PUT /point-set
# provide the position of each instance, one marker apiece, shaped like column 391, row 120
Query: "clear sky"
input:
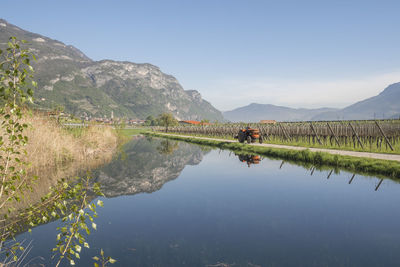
column 294, row 53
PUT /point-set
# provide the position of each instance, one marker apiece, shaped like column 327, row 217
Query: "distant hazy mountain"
column 256, row 112
column 383, row 106
column 68, row 77
column 396, row 116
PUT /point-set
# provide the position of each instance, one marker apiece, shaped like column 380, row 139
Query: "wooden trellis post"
column 333, row 133
column 284, row 132
column 355, row 133
column 312, row 128
column 386, row 139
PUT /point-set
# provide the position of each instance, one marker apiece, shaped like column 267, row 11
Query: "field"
column 380, row 136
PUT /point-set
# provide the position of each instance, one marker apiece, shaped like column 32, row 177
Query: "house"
column 135, row 121
column 268, row 121
column 194, row 123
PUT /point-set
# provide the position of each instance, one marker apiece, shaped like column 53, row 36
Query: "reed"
column 50, row 145
column 54, row 152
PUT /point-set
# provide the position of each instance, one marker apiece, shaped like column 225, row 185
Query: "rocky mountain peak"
column 151, row 76
column 195, row 95
column 67, row 77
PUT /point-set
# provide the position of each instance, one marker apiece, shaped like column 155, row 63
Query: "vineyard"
column 370, row 135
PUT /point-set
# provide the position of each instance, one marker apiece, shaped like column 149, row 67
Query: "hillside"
column 256, row 112
column 383, row 106
column 85, row 87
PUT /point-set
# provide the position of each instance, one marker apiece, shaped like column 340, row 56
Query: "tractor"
column 250, row 135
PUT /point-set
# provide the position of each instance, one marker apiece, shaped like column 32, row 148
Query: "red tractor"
column 250, row 135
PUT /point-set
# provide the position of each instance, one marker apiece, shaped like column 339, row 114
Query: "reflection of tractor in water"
column 250, row 135
column 250, row 159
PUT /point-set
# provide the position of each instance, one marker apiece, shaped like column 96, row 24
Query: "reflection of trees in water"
column 48, row 176
column 167, row 147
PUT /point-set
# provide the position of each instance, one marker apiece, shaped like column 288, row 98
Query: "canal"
column 172, row 203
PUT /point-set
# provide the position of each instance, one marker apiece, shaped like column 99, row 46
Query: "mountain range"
column 383, row 106
column 85, row 87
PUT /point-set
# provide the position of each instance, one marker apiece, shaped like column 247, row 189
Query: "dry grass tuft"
column 50, row 145
column 54, row 153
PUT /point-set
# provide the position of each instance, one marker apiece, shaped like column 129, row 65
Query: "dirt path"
column 330, row 151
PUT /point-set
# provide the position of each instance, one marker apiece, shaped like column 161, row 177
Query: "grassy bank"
column 54, row 152
column 133, row 131
column 354, row 164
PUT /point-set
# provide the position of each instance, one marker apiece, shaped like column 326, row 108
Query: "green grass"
column 134, row 131
column 354, row 164
column 77, row 132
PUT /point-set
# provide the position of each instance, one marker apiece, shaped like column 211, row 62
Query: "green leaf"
column 96, row 258
column 72, row 262
column 94, row 226
column 100, row 203
column 112, row 261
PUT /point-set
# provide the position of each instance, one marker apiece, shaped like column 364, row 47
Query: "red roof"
column 196, row 122
column 192, row 122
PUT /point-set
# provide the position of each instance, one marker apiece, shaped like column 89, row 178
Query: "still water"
column 178, row 204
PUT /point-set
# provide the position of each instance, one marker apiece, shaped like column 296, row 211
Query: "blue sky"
column 294, row 53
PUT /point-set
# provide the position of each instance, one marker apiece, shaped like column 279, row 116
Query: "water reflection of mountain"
column 145, row 165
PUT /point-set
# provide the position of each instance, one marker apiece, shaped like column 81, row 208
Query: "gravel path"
column 330, row 151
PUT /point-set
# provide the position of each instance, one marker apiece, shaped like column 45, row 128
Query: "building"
column 268, row 121
column 194, row 123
